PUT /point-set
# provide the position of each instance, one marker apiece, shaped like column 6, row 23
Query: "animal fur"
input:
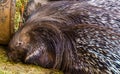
column 32, row 5
column 72, row 12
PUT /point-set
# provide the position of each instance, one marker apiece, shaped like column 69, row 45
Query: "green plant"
column 20, row 5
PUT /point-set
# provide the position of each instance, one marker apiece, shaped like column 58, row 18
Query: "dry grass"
column 7, row 67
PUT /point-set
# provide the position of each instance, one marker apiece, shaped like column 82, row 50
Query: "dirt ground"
column 7, row 67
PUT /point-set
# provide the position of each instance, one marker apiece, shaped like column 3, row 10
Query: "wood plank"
column 6, row 20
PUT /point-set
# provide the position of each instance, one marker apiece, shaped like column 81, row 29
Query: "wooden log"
column 7, row 8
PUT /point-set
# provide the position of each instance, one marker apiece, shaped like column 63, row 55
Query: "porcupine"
column 80, row 49
column 85, row 15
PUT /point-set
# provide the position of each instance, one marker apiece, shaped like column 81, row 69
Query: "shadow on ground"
column 7, row 67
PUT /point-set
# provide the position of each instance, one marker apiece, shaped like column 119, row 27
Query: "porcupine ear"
column 51, row 38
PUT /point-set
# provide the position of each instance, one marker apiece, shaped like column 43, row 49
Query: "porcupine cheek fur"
column 40, row 56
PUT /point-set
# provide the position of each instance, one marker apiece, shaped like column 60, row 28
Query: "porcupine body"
column 74, row 12
column 81, row 49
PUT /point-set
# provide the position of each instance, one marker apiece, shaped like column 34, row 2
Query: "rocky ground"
column 7, row 67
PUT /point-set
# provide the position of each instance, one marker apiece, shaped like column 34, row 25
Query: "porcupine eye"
column 19, row 43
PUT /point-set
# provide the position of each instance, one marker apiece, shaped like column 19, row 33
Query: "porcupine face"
column 18, row 46
column 39, row 45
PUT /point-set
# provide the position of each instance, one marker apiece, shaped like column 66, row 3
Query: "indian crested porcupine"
column 60, row 35
column 80, row 49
